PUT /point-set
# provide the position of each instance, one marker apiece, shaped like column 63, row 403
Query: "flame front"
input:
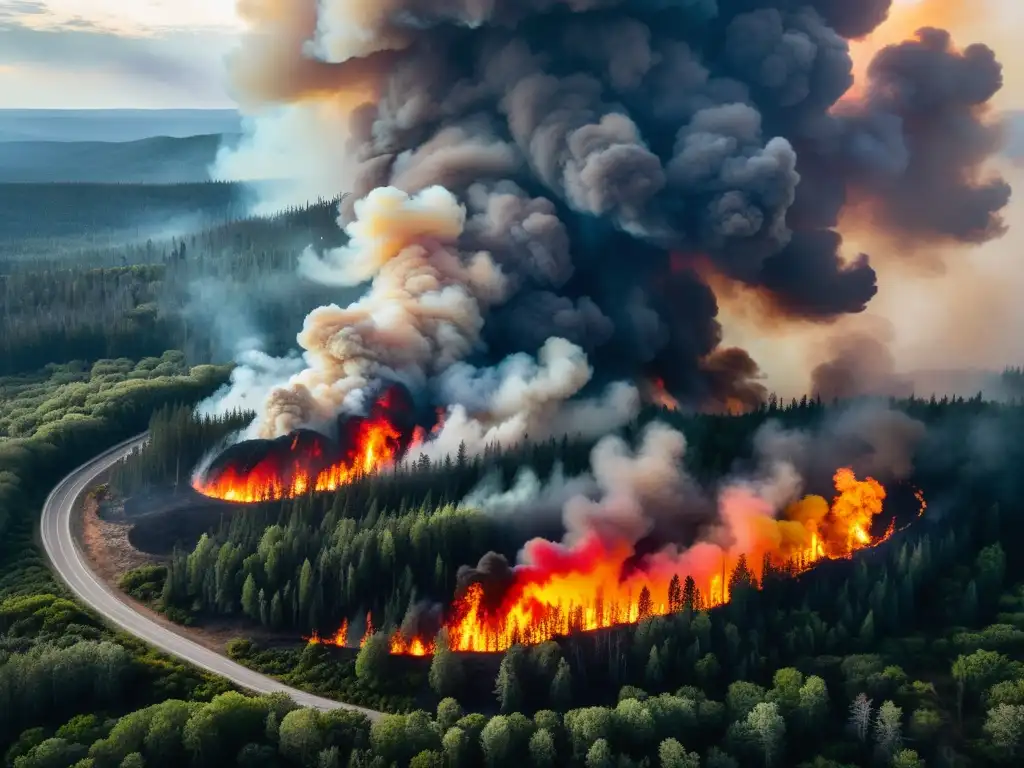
column 376, row 440
column 660, row 396
column 372, row 443
column 589, row 592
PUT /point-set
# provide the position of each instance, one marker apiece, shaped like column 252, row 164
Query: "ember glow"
column 658, row 395
column 305, row 461
column 588, row 588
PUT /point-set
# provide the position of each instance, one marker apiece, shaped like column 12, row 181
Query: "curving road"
column 67, row 561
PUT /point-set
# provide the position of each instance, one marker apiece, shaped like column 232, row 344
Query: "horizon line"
column 119, row 109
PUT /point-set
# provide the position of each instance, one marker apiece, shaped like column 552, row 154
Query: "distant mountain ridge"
column 114, row 124
column 157, row 146
column 157, row 160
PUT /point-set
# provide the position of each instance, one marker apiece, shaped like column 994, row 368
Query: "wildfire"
column 397, row 644
column 306, row 462
column 339, row 638
column 586, row 589
column 660, row 396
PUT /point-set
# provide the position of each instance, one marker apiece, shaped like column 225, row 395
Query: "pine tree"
column 306, row 592
column 508, row 685
column 561, row 687
column 276, row 611
column 446, row 674
column 644, row 605
column 691, row 595
column 653, row 673
column 251, row 598
column 867, row 629
column 264, row 609
column 675, row 594
column 742, row 577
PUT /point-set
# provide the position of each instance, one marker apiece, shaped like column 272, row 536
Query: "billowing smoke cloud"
column 921, row 141
column 642, row 505
column 527, row 492
column 525, row 176
column 859, row 364
column 252, row 380
column 867, row 436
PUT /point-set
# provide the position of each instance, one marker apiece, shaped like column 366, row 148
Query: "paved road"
column 68, row 562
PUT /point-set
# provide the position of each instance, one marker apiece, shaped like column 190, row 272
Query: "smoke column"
column 543, row 191
column 940, row 321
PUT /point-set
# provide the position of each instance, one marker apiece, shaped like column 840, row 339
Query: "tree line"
column 144, row 296
column 393, row 539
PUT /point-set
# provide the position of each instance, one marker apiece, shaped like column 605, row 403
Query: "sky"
column 110, row 54
column 82, row 54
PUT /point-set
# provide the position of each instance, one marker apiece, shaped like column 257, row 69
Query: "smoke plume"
column 858, row 364
column 642, row 507
column 644, row 498
column 531, row 179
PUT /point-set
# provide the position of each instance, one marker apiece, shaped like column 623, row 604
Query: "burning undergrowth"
column 306, row 461
column 643, row 538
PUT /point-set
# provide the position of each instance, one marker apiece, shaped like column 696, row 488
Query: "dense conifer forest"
column 909, row 654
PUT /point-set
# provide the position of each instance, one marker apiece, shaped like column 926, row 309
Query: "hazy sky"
column 114, row 53
column 157, row 53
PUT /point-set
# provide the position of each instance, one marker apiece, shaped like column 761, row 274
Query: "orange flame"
column 376, row 450
column 339, row 638
column 374, row 443
column 660, row 396
column 919, row 495
column 369, row 630
column 398, row 645
column 589, row 591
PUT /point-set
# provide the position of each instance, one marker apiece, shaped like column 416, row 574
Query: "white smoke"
column 524, row 399
column 252, row 380
column 421, row 316
column 528, row 494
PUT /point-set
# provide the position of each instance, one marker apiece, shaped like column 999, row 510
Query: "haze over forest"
column 520, row 384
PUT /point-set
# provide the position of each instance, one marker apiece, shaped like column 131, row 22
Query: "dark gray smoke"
column 860, row 364
column 601, row 146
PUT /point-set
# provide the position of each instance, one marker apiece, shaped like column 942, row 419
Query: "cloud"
column 17, row 9
column 180, row 62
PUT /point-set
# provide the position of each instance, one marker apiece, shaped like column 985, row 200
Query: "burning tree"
column 589, row 587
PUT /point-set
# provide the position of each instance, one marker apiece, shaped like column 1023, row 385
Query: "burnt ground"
column 163, row 519
column 118, row 535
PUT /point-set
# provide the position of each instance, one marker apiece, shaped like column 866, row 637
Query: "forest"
column 139, row 298
column 909, row 654
column 924, row 633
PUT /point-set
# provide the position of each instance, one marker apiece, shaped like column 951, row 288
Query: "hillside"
column 113, row 124
column 158, row 160
column 125, row 212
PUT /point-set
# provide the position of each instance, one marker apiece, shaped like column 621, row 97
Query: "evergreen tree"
column 561, row 687
column 446, row 674
column 508, row 685
column 675, row 594
column 251, row 598
column 645, row 606
column 653, row 672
